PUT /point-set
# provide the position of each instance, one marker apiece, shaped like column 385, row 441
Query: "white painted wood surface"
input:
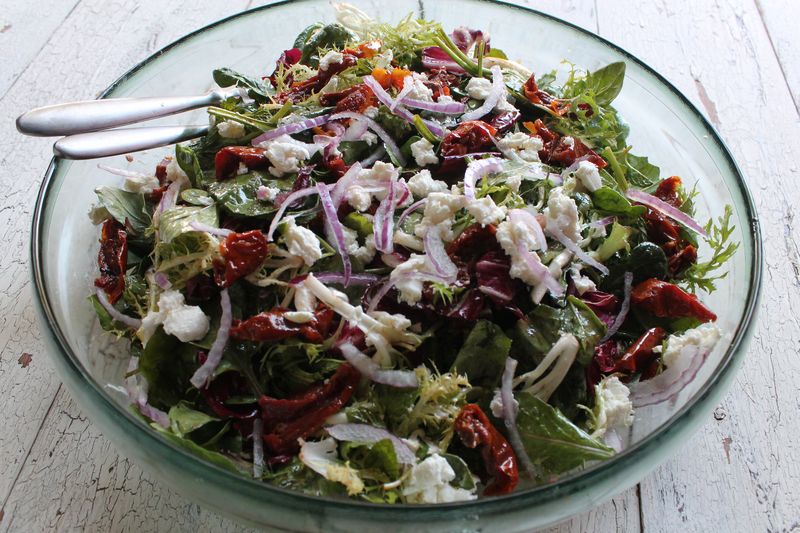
column 739, row 61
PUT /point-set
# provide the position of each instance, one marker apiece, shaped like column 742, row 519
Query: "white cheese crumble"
column 612, row 406
column 406, row 279
column 301, row 242
column 331, row 58
column 582, row 283
column 486, row 211
column 440, row 209
column 299, row 317
column 588, row 175
column 175, row 172
column 423, row 153
column 481, row 88
column 321, row 457
column 496, row 405
column 186, row 322
column 230, row 129
column 267, row 193
column 523, row 145
column 286, row 154
column 562, row 212
column 370, row 183
column 141, row 184
column 304, row 300
column 419, row 91
column 508, row 234
column 429, row 482
column 569, row 142
column 364, row 253
column 422, row 184
column 690, row 343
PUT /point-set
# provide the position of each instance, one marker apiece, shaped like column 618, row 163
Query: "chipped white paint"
column 740, row 473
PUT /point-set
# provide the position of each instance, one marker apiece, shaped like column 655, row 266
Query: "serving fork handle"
column 96, row 115
column 122, row 141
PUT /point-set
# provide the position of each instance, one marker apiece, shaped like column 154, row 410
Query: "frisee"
column 703, row 275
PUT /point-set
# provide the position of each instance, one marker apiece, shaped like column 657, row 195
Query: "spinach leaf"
column 610, row 202
column 238, row 196
column 177, row 220
column 167, row 364
column 258, row 91
column 483, row 355
column 325, row 37
column 183, row 419
column 215, row 458
column 646, row 260
column 617, row 240
column 640, row 172
column 551, row 440
column 197, row 197
column 463, row 477
column 128, row 208
column 187, row 159
column 606, row 82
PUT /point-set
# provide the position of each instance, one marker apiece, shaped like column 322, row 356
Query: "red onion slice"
column 335, row 230
column 202, row 375
column 445, row 108
column 371, row 370
column 623, row 310
column 289, row 200
column 133, row 323
column 603, row 222
column 162, row 280
column 343, row 183
column 437, row 255
column 408, row 85
column 383, row 222
column 410, row 209
column 668, row 384
column 664, row 208
column 398, row 110
column 477, row 170
column 510, row 418
column 121, row 172
column 541, row 272
column 136, row 387
column 497, row 92
column 335, row 277
column 379, row 131
column 170, row 197
column 370, row 434
column 291, row 129
column 205, row 228
column 258, row 448
column 573, row 247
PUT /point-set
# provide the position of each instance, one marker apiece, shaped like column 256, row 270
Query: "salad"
column 402, row 268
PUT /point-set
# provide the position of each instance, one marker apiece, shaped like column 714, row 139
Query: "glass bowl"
column 664, row 125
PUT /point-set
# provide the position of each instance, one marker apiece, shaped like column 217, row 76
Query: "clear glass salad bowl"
column 664, row 125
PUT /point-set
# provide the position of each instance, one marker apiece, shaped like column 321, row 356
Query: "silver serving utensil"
column 117, row 142
column 95, row 115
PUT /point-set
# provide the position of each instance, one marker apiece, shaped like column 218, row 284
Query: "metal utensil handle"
column 117, row 142
column 95, row 115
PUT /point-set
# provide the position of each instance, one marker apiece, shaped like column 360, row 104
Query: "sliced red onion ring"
column 289, row 200
column 541, row 272
column 664, row 208
column 218, row 232
column 370, row 434
column 383, row 222
column 355, row 132
column 343, row 183
column 291, row 129
column 335, row 277
column 373, row 157
column 410, row 209
column 162, row 280
column 133, row 323
column 573, row 247
column 445, row 108
column 202, row 375
column 121, row 172
column 437, row 255
column 497, row 92
column 379, row 131
column 371, row 370
column 335, row 230
column 136, row 387
column 258, row 448
column 510, row 418
column 170, row 197
column 408, row 85
column 603, row 222
column 623, row 310
column 398, row 110
column 477, row 170
column 668, row 384
column 532, row 223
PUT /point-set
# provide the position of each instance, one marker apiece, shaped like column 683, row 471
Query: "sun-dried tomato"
column 112, row 259
column 161, row 170
column 474, row 429
column 468, row 137
column 504, row 121
column 473, row 242
column 365, row 50
column 558, row 151
column 242, row 254
column 640, row 354
column 287, row 420
column 439, row 81
column 358, row 99
column 226, row 162
column 682, row 259
column 288, row 58
column 272, row 325
column 669, row 191
column 223, row 387
column 666, row 300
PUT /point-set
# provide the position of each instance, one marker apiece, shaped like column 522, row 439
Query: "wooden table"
column 737, row 60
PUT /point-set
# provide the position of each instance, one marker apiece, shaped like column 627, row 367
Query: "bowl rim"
column 538, row 494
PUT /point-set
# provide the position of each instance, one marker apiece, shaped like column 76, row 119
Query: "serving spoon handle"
column 117, row 142
column 95, row 115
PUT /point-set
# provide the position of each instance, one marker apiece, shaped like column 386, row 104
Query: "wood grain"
column 780, row 20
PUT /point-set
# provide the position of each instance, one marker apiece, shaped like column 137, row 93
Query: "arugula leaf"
column 128, row 208
column 606, row 82
column 483, row 355
column 177, row 220
column 167, row 364
column 378, row 459
column 183, row 419
column 553, row 442
column 238, row 196
column 258, row 91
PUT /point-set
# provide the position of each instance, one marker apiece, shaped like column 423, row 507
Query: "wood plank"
column 105, row 38
column 741, row 472
column 780, row 18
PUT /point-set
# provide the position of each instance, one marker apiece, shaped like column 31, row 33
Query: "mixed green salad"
column 402, row 268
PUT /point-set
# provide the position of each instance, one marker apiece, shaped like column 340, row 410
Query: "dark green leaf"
column 551, row 440
column 178, row 220
column 197, row 197
column 606, row 82
column 463, row 477
column 641, row 173
column 379, row 457
column 128, row 208
column 106, row 321
column 215, row 458
column 483, row 355
column 325, row 37
column 610, row 202
column 225, row 77
column 297, row 476
column 237, row 196
column 186, row 158
column 183, row 419
column 167, row 364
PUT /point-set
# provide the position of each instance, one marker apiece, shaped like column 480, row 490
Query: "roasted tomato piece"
column 227, row 160
column 504, row 121
column 468, row 137
column 666, row 300
column 242, row 254
column 640, row 354
column 112, row 259
column 558, row 151
column 669, row 191
column 272, row 325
